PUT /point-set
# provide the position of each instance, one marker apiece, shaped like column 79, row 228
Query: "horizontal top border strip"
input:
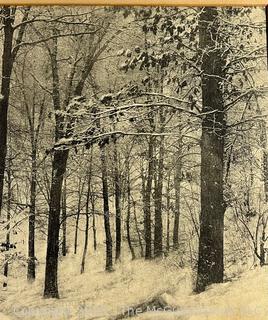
column 183, row 3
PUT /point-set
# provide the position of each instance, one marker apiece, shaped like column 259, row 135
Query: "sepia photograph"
column 133, row 162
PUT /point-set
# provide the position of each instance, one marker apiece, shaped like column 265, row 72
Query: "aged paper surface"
column 133, row 160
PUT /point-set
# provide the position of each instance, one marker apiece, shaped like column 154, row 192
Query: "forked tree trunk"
column 60, row 158
column 210, row 257
column 59, row 163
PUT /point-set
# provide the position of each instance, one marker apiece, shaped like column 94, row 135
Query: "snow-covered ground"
column 95, row 292
column 244, row 298
column 100, row 295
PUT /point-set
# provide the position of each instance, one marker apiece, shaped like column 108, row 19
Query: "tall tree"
column 7, row 64
column 35, row 126
column 63, row 130
column 9, row 53
column 210, row 257
column 59, row 163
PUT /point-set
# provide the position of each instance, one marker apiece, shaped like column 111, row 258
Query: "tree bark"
column 210, row 258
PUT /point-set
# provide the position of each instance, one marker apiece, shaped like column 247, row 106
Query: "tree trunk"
column 34, row 135
column 117, row 205
column 106, row 212
column 76, row 228
column 78, row 216
column 177, row 187
column 263, row 239
column 128, row 217
column 64, row 219
column 31, row 236
column 94, row 222
column 92, row 198
column 9, row 195
column 210, row 258
column 59, row 163
column 262, row 242
column 263, row 140
column 7, row 64
column 87, row 225
column 58, row 170
column 158, row 226
column 137, row 229
column 147, row 201
column 168, row 215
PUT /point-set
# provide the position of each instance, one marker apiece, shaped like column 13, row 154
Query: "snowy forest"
column 133, row 163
